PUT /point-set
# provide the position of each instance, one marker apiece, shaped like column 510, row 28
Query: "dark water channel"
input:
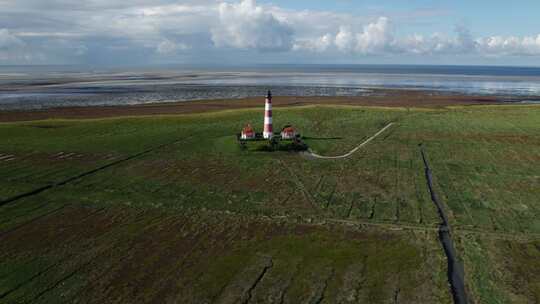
column 456, row 272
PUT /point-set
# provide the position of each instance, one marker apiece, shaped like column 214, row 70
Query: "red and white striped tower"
column 268, row 131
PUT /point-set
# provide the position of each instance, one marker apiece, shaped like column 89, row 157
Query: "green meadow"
column 171, row 209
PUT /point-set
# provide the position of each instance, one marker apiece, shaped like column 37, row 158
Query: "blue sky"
column 486, row 17
column 135, row 32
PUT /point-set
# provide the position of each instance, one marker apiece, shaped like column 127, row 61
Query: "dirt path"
column 313, row 154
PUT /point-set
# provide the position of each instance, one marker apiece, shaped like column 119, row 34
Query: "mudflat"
column 384, row 98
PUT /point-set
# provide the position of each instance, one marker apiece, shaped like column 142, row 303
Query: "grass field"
column 168, row 208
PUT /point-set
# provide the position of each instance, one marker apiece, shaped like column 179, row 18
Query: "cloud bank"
column 48, row 30
column 379, row 38
column 248, row 26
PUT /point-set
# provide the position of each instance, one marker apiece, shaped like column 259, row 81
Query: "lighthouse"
column 268, row 132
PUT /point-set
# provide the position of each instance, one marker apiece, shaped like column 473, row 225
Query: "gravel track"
column 313, row 154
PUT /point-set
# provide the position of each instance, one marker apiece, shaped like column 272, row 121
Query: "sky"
column 244, row 32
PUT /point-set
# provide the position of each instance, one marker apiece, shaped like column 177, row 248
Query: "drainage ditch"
column 456, row 272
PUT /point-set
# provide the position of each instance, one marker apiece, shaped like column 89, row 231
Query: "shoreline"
column 384, row 98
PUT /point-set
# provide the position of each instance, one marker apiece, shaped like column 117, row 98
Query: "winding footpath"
column 313, row 154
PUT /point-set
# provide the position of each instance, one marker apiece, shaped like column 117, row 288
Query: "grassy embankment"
column 196, row 219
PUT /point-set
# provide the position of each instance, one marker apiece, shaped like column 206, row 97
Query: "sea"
column 38, row 87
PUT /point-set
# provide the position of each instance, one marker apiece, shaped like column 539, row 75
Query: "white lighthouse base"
column 268, row 135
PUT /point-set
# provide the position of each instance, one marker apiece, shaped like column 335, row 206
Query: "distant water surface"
column 31, row 87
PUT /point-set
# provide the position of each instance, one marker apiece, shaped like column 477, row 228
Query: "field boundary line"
column 520, row 236
column 37, row 218
column 87, row 173
column 387, row 225
column 313, row 154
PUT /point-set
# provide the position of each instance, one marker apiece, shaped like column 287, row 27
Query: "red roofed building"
column 247, row 132
column 288, row 132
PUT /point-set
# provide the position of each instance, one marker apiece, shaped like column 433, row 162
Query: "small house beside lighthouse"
column 288, row 132
column 247, row 132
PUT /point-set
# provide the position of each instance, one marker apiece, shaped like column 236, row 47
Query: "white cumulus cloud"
column 345, row 39
column 67, row 30
column 501, row 46
column 377, row 37
column 319, row 44
column 248, row 26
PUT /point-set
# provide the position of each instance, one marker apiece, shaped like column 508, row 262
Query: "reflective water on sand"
column 38, row 87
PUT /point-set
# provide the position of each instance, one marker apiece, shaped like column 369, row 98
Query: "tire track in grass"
column 287, row 198
column 12, row 218
column 35, row 219
column 349, row 210
column 21, row 162
column 30, row 174
column 330, row 197
column 456, row 272
column 84, row 174
column 316, row 188
column 30, row 279
column 58, row 283
column 307, row 195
